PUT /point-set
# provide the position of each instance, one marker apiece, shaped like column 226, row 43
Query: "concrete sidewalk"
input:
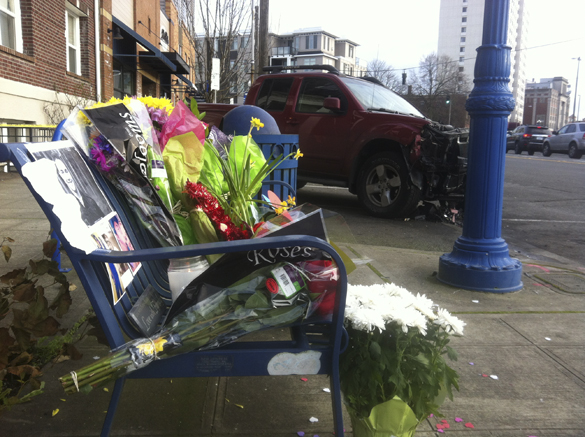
column 532, row 341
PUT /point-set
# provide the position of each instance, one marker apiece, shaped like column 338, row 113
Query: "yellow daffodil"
column 256, row 123
column 291, row 200
column 298, row 154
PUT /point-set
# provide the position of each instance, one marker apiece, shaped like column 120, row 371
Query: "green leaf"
column 257, row 300
column 451, row 353
column 375, row 349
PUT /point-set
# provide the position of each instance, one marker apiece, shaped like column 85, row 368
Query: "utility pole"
column 576, row 84
column 262, row 58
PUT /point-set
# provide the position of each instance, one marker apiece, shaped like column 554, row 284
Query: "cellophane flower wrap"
column 398, row 344
column 239, row 294
column 120, row 141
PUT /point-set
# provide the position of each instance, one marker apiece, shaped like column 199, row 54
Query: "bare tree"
column 220, row 29
column 384, row 73
column 438, row 78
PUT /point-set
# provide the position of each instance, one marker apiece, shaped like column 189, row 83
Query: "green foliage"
column 33, row 336
column 378, row 366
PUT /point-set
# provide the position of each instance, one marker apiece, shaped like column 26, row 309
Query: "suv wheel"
column 574, row 151
column 384, row 187
column 546, row 149
column 517, row 149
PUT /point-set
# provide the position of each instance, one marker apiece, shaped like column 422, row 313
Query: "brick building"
column 52, row 51
column 547, row 103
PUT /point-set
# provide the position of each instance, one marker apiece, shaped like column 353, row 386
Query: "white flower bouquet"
column 398, row 345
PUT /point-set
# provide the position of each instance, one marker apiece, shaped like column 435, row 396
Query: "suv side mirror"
column 554, row 132
column 332, row 103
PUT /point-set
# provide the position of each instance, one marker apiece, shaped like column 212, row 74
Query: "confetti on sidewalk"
column 326, row 390
column 547, row 338
column 471, row 364
column 313, row 420
column 304, row 379
column 458, row 419
column 300, row 433
column 469, row 425
column 55, row 412
column 484, row 375
column 475, row 301
column 494, row 376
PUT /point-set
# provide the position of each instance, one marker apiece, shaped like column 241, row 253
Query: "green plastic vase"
column 393, row 418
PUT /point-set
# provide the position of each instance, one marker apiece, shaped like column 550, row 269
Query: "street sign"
column 214, row 74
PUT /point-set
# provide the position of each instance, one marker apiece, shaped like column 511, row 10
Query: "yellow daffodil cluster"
column 285, row 204
column 151, row 347
column 298, row 154
column 157, row 103
column 255, row 123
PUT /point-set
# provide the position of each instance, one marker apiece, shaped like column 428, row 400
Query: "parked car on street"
column 529, row 138
column 570, row 139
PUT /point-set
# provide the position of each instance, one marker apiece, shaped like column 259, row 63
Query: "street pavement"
column 521, row 360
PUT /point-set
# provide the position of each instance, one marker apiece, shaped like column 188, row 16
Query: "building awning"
column 186, row 81
column 153, row 57
column 178, row 61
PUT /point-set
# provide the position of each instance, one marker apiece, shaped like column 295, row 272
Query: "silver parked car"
column 570, row 139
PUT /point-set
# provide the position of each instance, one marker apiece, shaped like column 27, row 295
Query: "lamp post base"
column 471, row 268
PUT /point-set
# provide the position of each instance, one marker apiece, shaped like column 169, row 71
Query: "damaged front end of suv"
column 439, row 167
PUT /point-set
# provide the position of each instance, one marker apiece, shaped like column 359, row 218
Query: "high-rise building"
column 460, row 34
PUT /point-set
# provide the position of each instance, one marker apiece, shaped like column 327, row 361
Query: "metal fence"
column 24, row 133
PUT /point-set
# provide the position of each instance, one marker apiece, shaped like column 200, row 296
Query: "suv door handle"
column 292, row 121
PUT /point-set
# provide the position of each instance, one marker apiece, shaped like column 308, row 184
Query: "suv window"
column 273, row 94
column 538, row 131
column 313, row 92
column 563, row 130
column 572, row 128
column 582, row 127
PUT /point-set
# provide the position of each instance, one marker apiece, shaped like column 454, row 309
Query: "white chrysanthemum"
column 451, row 323
column 425, row 306
column 410, row 317
column 366, row 319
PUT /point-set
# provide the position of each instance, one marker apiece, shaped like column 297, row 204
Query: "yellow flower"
column 162, row 103
column 256, row 123
column 298, row 154
column 291, row 200
column 282, row 208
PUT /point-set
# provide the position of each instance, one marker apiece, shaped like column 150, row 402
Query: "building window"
column 464, row 20
column 463, row 29
column 464, row 8
column 124, row 80
column 461, row 58
column 73, row 52
column 461, row 69
column 462, row 39
column 10, row 25
column 311, row 41
column 310, row 61
column 235, row 43
column 461, row 49
column 351, row 51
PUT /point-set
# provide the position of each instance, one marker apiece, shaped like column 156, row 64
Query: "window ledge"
column 17, row 54
column 77, row 76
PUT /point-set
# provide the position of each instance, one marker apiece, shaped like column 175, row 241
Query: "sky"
column 401, row 33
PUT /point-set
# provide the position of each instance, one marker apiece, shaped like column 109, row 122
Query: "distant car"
column 529, row 138
column 570, row 139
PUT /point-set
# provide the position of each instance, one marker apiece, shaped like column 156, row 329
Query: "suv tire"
column 384, row 187
column 574, row 151
column 546, row 149
column 517, row 149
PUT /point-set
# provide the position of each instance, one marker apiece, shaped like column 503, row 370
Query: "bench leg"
column 57, row 254
column 336, row 402
column 114, row 400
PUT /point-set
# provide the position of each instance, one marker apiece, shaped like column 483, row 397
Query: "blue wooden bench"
column 244, row 358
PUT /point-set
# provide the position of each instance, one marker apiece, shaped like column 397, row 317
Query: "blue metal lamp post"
column 480, row 259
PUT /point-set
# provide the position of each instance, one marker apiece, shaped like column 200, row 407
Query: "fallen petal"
column 304, row 379
column 313, row 419
column 55, row 412
column 446, row 426
column 96, row 358
column 239, row 406
column 458, row 419
column 326, row 390
column 484, row 375
column 440, row 426
column 64, row 400
column 440, row 430
column 475, row 301
column 547, row 338
column 431, row 415
column 469, row 425
column 444, row 421
column 470, row 363
column 106, row 389
column 494, row 376
column 300, row 433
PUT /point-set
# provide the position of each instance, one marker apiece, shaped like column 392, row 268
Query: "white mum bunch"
column 372, row 306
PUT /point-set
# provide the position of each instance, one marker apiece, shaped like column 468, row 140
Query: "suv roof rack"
column 279, row 68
